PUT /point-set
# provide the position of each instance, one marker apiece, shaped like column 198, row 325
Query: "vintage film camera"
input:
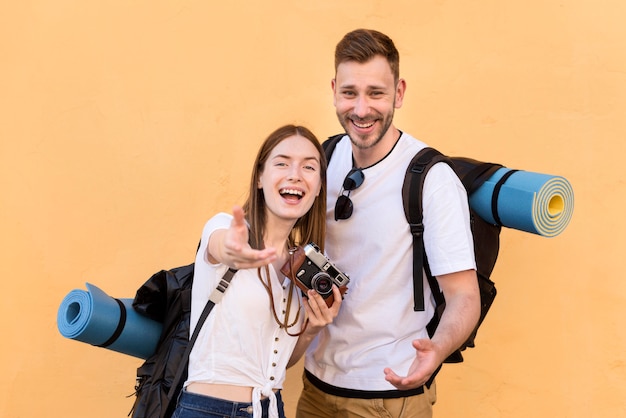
column 312, row 270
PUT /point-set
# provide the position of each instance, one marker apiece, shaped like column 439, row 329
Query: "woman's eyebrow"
column 289, row 157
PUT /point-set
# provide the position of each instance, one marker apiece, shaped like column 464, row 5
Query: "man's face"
column 365, row 98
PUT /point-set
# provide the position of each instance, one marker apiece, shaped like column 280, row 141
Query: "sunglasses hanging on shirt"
column 344, row 207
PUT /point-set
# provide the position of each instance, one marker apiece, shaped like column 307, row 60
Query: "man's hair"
column 361, row 45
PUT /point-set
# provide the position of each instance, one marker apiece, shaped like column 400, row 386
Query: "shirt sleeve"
column 205, row 273
column 448, row 237
column 220, row 221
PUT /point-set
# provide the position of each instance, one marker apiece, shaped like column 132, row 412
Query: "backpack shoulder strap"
column 330, row 144
column 215, row 297
column 412, row 202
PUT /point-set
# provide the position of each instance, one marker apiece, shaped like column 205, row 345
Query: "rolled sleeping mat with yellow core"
column 538, row 203
column 98, row 319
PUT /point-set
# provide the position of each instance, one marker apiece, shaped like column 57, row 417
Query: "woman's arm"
column 230, row 246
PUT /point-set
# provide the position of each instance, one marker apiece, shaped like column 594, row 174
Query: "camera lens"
column 322, row 284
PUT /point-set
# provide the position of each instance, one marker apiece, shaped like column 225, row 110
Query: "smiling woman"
column 263, row 322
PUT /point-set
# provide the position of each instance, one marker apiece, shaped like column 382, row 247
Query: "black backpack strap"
column 496, row 194
column 215, row 297
column 120, row 326
column 412, row 202
column 330, row 144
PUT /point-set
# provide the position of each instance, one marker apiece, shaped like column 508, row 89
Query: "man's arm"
column 462, row 311
column 459, row 319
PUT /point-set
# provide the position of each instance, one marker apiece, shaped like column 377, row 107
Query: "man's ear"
column 400, row 90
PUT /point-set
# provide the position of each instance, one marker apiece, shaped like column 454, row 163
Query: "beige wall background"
column 124, row 125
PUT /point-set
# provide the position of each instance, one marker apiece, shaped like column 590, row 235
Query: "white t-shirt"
column 240, row 343
column 376, row 322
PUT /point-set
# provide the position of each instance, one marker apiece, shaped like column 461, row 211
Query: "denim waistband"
column 220, row 406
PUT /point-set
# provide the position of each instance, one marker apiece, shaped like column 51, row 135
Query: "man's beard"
column 366, row 141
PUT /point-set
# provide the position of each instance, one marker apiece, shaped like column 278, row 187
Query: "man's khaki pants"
column 314, row 403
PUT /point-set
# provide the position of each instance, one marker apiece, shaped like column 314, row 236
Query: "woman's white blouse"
column 240, row 343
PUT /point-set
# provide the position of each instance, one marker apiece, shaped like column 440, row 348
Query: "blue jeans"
column 193, row 405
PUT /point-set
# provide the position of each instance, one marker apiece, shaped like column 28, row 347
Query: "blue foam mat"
column 538, row 203
column 92, row 317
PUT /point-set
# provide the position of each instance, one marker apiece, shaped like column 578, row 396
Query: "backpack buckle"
column 417, row 168
column 417, row 229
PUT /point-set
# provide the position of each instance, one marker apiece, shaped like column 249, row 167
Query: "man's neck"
column 367, row 157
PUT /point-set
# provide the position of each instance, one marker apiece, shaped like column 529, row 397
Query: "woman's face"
column 291, row 178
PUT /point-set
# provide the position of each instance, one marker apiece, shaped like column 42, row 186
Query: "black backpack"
column 486, row 235
column 166, row 297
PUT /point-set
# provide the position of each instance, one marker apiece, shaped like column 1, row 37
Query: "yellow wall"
column 124, row 125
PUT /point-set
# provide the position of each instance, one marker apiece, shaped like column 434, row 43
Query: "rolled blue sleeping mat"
column 538, row 203
column 98, row 319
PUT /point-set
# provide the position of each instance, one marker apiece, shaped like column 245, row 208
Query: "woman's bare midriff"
column 228, row 392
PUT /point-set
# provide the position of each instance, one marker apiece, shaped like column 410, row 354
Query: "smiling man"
column 377, row 359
